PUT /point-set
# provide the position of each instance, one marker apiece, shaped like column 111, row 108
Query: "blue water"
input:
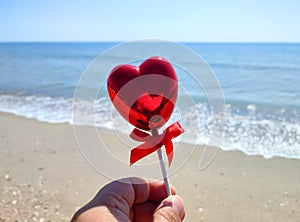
column 260, row 82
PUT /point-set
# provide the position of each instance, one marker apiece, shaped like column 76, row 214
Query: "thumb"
column 171, row 209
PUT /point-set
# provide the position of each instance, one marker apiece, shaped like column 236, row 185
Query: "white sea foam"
column 248, row 130
column 258, row 134
column 46, row 109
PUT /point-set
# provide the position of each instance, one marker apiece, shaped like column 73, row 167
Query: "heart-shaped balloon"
column 144, row 95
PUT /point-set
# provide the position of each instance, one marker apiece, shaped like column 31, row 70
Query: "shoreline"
column 224, row 149
column 44, row 175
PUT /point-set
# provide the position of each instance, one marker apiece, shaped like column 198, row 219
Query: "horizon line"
column 124, row 41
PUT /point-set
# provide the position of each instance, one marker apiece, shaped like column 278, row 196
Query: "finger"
column 170, row 210
column 139, row 188
column 144, row 211
column 125, row 192
column 158, row 190
column 147, row 189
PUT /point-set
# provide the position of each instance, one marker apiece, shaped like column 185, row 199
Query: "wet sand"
column 44, row 177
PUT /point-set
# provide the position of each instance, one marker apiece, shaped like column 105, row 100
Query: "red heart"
column 144, row 95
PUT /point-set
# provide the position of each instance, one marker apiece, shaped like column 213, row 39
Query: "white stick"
column 162, row 166
column 164, row 171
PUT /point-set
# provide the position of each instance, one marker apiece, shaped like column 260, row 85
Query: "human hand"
column 132, row 199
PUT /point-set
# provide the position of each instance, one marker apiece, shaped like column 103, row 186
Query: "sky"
column 128, row 20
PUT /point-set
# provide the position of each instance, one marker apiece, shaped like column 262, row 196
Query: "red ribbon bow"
column 154, row 142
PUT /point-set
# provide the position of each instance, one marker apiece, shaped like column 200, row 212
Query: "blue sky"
column 126, row 20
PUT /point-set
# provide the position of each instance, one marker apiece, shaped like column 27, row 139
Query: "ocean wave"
column 255, row 66
column 258, row 133
column 249, row 130
column 42, row 108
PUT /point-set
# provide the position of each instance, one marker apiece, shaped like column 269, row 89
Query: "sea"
column 260, row 83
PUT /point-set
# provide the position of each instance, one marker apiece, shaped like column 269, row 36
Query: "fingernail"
column 178, row 206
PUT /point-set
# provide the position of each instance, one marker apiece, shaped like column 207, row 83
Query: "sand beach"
column 44, row 177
